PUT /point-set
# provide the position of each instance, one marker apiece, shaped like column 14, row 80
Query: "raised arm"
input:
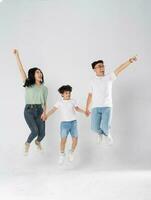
column 125, row 65
column 21, row 68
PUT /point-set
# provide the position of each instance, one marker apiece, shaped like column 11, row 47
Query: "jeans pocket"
column 27, row 109
column 64, row 125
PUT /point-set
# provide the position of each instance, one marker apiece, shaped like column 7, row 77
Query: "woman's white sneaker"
column 27, row 146
column 38, row 144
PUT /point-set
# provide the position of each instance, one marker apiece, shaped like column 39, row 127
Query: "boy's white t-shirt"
column 101, row 90
column 67, row 109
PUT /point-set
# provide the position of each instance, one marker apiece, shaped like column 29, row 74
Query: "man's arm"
column 89, row 100
column 123, row 66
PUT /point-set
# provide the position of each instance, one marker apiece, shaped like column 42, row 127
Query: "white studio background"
column 62, row 38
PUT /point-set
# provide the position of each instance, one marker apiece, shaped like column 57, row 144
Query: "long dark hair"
column 31, row 77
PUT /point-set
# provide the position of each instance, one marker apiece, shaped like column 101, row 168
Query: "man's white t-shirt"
column 101, row 90
column 67, row 109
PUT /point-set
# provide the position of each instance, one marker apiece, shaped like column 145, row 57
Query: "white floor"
column 46, row 181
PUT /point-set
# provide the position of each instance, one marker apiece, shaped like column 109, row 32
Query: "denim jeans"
column 101, row 120
column 32, row 114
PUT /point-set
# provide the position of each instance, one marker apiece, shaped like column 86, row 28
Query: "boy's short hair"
column 64, row 88
column 96, row 62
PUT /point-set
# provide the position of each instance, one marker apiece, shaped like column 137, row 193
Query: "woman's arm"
column 43, row 115
column 21, row 68
column 124, row 65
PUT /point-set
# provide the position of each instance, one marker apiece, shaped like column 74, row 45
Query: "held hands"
column 44, row 116
column 87, row 113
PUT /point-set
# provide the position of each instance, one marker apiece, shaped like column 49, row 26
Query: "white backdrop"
column 62, row 38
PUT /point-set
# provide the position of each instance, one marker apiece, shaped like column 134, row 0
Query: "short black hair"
column 96, row 62
column 65, row 88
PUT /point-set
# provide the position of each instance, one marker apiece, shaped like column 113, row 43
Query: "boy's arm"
column 125, row 65
column 89, row 100
column 21, row 68
column 80, row 110
column 51, row 111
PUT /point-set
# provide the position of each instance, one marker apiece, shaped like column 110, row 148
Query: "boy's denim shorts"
column 67, row 127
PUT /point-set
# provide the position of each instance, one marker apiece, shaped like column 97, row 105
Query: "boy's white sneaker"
column 70, row 156
column 61, row 158
column 27, row 146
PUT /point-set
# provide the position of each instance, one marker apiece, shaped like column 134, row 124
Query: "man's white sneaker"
column 99, row 138
column 70, row 156
column 27, row 145
column 109, row 139
column 61, row 158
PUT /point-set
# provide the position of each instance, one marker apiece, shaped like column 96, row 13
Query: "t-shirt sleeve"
column 112, row 76
column 57, row 104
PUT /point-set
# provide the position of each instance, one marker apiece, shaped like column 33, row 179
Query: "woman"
column 35, row 99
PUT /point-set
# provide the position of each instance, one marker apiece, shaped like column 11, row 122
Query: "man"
column 100, row 94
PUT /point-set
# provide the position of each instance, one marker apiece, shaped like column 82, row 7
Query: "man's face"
column 99, row 69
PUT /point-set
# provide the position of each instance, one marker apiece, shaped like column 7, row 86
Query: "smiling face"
column 66, row 95
column 99, row 69
column 38, row 76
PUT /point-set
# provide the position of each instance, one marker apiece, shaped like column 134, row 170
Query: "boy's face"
column 66, row 95
column 99, row 69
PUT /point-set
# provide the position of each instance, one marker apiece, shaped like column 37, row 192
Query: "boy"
column 68, row 124
column 100, row 94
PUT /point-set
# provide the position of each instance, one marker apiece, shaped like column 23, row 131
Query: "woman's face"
column 38, row 75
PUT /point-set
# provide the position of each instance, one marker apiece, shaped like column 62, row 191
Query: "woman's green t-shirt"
column 36, row 94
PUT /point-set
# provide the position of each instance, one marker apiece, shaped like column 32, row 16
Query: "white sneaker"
column 38, row 144
column 108, row 139
column 61, row 158
column 99, row 138
column 70, row 156
column 27, row 146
